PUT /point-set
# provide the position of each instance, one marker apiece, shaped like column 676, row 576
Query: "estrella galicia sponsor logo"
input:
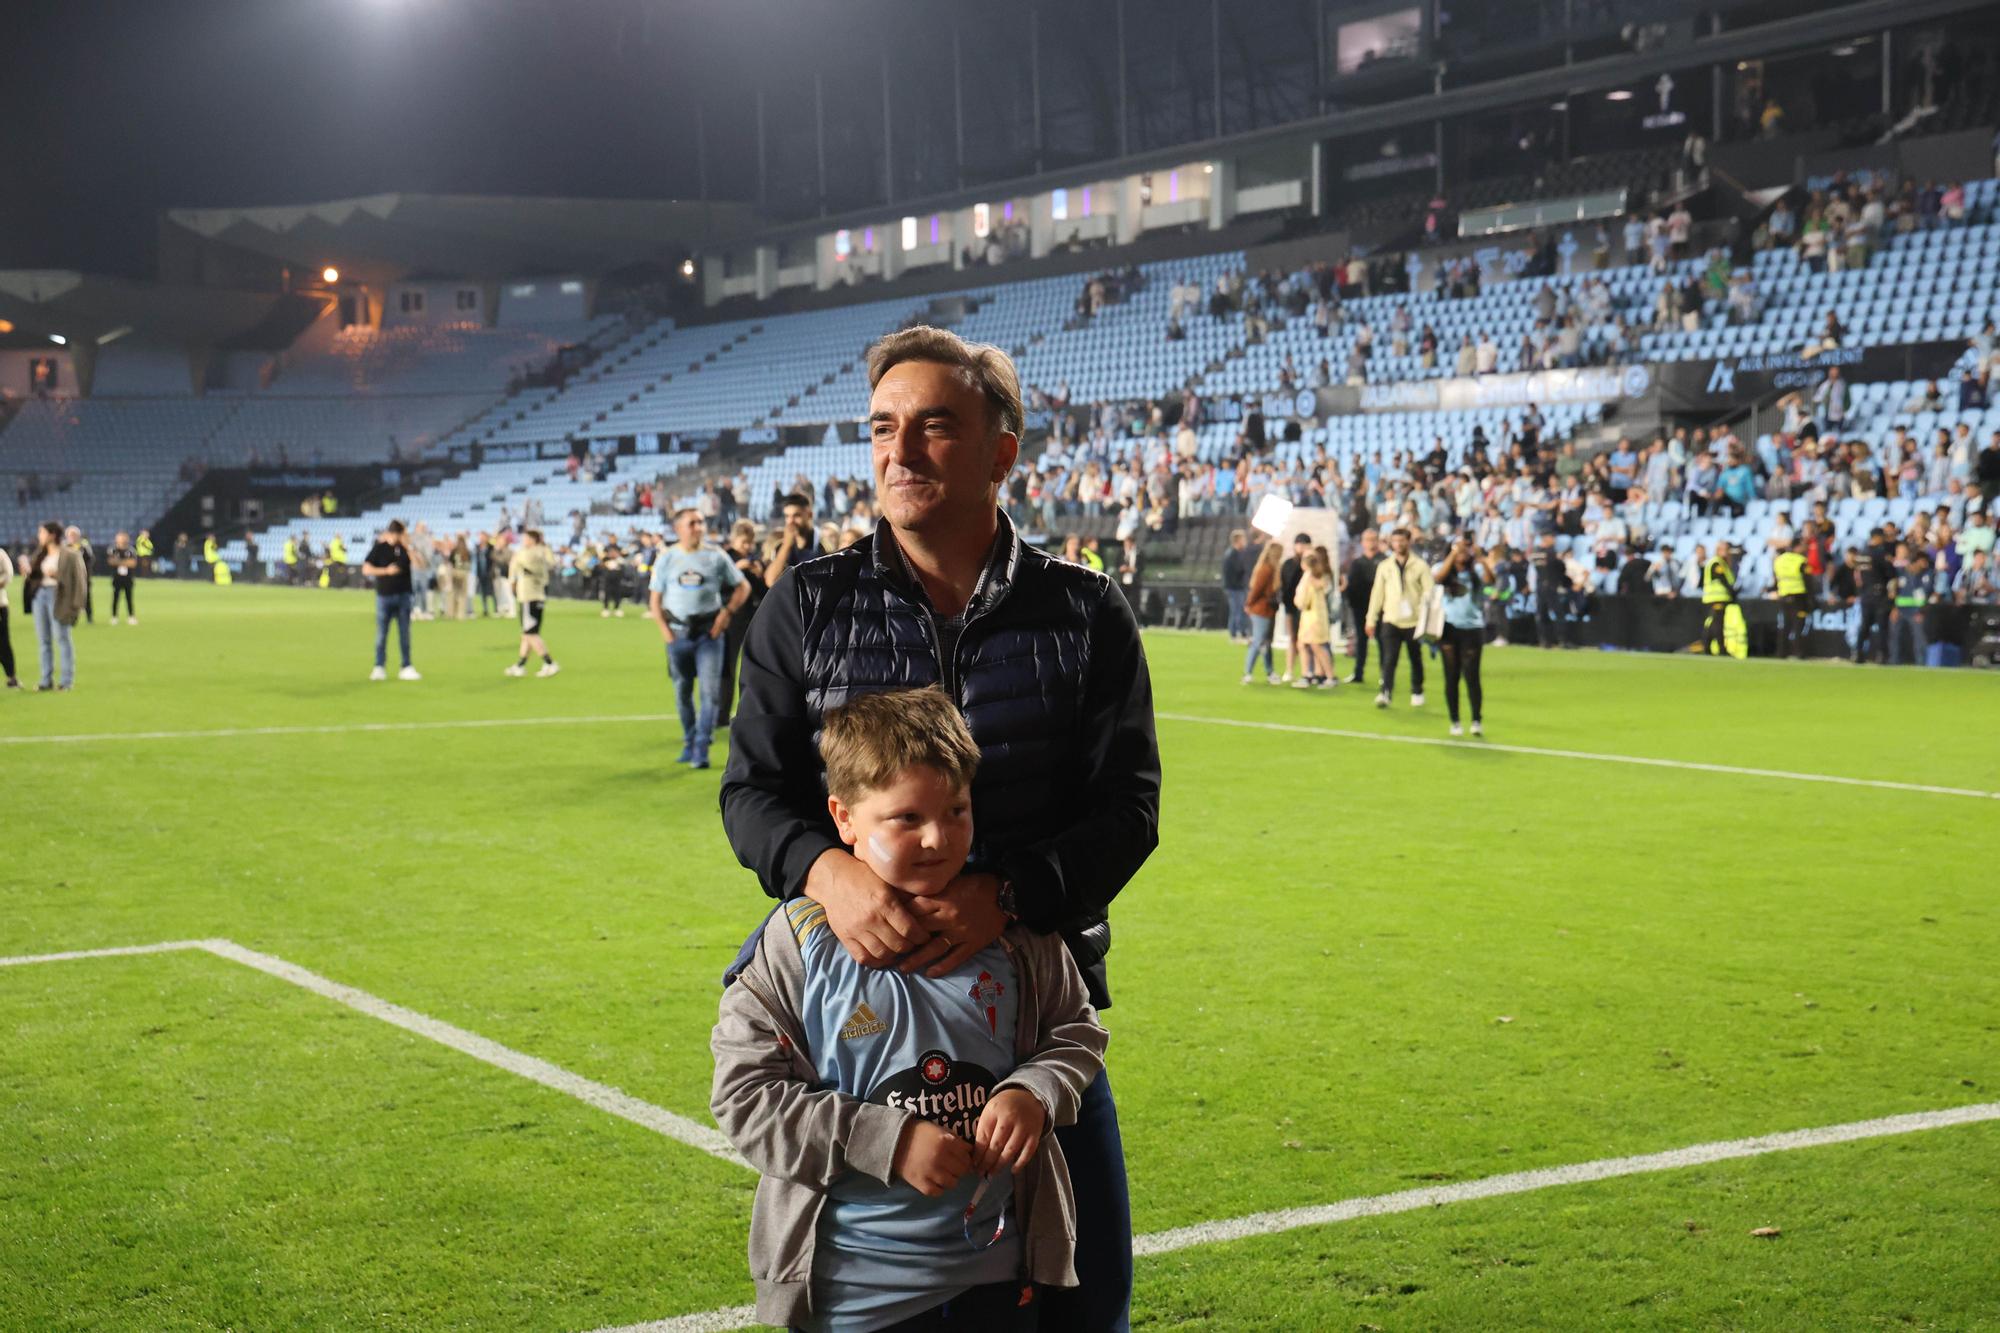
column 949, row 1093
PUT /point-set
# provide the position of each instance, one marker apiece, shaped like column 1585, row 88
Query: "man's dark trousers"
column 1101, row 1302
column 1393, row 640
column 1359, row 613
column 1871, row 639
column 1548, row 625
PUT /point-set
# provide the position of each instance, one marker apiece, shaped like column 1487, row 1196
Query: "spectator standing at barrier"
column 124, row 561
column 1357, row 584
column 1463, row 577
column 529, row 573
column 417, row 545
column 1876, row 578
column 57, row 587
column 1394, row 604
column 1289, row 575
column 455, row 569
column 13, row 682
column 1788, row 569
column 1067, row 797
column 687, row 602
column 1912, row 596
column 388, row 563
column 1236, row 565
column 1551, row 589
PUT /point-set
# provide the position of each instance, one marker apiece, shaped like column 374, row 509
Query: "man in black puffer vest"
column 1044, row 660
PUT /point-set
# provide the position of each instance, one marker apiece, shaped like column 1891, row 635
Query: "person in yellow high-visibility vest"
column 144, row 548
column 291, row 559
column 1718, row 594
column 210, row 552
column 328, row 505
column 336, row 558
column 1788, row 570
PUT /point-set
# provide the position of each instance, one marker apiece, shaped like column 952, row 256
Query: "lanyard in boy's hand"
column 972, row 1233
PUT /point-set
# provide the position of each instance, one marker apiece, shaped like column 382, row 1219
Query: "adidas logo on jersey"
column 862, row 1023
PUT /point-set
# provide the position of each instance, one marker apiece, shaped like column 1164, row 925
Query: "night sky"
column 114, row 110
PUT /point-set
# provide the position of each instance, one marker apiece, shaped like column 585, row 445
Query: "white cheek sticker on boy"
column 882, row 854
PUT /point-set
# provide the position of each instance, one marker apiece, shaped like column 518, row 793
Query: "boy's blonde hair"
column 870, row 740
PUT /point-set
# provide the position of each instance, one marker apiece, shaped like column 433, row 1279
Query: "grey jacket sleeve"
column 765, row 1097
column 1069, row 1041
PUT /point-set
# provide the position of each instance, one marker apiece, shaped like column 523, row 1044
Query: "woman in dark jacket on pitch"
column 56, row 587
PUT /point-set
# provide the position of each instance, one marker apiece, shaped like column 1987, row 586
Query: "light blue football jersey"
column 934, row 1047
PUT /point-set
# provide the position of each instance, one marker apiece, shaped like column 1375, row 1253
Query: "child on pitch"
column 903, row 1123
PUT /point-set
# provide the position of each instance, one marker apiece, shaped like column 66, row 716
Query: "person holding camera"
column 798, row 539
column 1463, row 577
column 689, row 580
column 388, row 563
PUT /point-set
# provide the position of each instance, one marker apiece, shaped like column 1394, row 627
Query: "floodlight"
column 58, row 340
column 329, row 274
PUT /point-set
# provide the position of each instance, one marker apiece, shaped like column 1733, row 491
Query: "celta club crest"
column 986, row 992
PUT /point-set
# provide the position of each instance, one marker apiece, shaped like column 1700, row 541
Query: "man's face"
column 914, row 833
column 1371, row 544
column 798, row 519
column 1399, row 542
column 691, row 526
column 937, row 459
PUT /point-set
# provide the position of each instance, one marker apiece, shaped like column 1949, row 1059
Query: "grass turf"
column 1311, row 977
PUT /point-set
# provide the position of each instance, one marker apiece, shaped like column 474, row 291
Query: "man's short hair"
column 1303, row 539
column 395, row 525
column 981, row 366
column 794, row 500
column 870, row 741
column 1399, row 532
column 684, row 510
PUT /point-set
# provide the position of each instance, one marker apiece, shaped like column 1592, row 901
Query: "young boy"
column 903, row 1123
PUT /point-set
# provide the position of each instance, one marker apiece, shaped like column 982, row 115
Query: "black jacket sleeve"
column 1075, row 872
column 773, row 802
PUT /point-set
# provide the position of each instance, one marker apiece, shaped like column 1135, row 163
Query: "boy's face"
column 915, row 833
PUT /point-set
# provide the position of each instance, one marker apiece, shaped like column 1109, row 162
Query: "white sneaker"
column 1270, row 680
column 604, row 613
column 515, row 670
column 620, row 613
column 378, row 674
column 548, row 669
column 1478, row 730
column 1382, row 700
column 1330, row 683
column 1246, row 678
column 1417, row 700
column 1302, row 684
column 1457, row 730
column 131, row 620
column 1286, row 678
column 408, row 673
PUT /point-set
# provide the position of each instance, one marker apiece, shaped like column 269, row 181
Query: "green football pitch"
column 443, row 1063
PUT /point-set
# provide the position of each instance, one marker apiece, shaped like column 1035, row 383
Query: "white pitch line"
column 1488, row 1187
column 332, row 729
column 1688, row 765
column 602, row 1096
column 120, row 951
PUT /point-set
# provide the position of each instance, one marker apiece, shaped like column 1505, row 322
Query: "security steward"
column 1718, row 594
column 1794, row 605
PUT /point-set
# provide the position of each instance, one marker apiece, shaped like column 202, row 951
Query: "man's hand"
column 962, row 920
column 721, row 625
column 870, row 919
column 931, row 1160
column 1010, row 1130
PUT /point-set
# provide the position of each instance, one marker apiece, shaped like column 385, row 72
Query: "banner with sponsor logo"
column 1590, row 384
column 1730, row 381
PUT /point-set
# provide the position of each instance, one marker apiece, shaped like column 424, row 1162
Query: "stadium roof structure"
column 387, row 237
column 80, row 308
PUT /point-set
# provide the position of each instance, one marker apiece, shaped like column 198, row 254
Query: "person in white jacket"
column 6, row 638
